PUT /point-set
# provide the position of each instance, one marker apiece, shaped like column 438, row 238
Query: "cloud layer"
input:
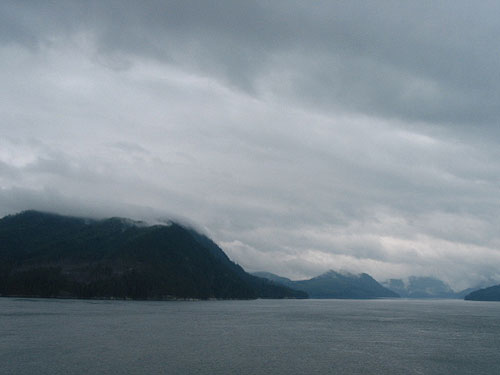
column 300, row 136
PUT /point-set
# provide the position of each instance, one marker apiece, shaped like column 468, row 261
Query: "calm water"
column 39, row 336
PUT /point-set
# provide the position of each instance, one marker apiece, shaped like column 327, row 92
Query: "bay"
column 51, row 336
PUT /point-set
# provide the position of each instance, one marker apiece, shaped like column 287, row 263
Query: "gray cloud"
column 420, row 62
column 300, row 136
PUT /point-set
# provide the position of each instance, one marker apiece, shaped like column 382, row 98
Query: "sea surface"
column 50, row 336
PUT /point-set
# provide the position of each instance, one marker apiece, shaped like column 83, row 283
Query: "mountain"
column 465, row 292
column 487, row 294
column 273, row 277
column 336, row 285
column 421, row 287
column 50, row 255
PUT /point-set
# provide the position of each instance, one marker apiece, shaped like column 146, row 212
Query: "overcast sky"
column 301, row 136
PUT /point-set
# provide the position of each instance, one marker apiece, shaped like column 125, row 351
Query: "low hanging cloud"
column 301, row 137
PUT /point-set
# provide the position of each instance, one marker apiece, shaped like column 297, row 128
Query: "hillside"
column 50, row 255
column 487, row 294
column 336, row 285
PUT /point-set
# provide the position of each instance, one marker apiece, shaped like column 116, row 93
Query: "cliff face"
column 50, row 255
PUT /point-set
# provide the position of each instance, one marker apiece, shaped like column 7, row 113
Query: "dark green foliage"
column 50, row 255
column 487, row 294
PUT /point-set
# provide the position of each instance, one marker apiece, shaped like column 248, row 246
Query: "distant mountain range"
column 425, row 287
column 335, row 285
column 420, row 287
column 48, row 255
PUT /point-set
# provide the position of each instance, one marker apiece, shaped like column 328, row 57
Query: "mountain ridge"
column 50, row 255
column 491, row 293
column 420, row 287
column 336, row 285
column 426, row 287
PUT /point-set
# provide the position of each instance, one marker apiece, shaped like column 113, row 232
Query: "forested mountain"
column 487, row 294
column 336, row 285
column 51, row 255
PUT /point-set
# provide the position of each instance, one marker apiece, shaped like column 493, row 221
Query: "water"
column 41, row 336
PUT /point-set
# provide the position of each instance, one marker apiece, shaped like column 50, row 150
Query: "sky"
column 300, row 136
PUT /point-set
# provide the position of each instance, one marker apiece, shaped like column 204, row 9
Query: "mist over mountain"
column 48, row 255
column 420, row 287
column 333, row 284
column 338, row 135
column 428, row 287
